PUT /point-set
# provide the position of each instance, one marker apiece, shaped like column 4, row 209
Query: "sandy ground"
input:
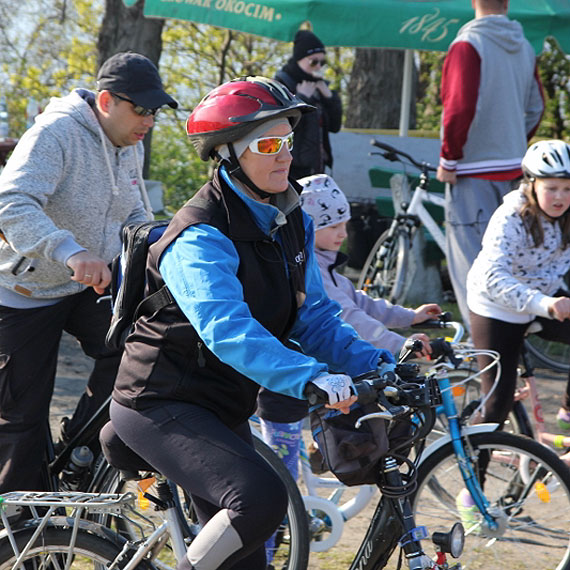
column 74, row 367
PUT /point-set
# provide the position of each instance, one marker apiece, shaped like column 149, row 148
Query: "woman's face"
column 269, row 172
column 553, row 195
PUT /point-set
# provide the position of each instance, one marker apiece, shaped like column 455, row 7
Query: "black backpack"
column 129, row 280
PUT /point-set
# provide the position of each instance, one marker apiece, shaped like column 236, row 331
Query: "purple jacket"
column 369, row 317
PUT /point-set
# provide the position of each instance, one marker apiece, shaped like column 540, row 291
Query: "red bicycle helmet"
column 233, row 109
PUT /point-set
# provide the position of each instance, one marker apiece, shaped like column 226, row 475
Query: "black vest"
column 164, row 356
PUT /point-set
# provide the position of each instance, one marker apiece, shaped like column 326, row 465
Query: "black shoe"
column 63, row 440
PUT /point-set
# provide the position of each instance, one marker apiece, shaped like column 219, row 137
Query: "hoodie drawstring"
column 142, row 186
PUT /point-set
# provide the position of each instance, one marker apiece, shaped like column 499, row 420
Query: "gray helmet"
column 547, row 159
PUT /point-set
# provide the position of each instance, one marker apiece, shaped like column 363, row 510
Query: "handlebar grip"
column 315, row 395
column 366, row 390
column 440, row 347
column 438, row 323
column 383, row 146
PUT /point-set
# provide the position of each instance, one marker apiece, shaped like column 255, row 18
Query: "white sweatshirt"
column 511, row 279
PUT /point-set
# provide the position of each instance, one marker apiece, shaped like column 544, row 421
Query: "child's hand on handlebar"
column 424, row 339
column 425, row 312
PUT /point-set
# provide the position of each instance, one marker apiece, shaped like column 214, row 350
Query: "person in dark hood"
column 303, row 75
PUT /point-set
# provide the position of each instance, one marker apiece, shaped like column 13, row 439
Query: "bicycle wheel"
column 528, row 489
column 51, row 551
column 549, row 354
column 518, row 421
column 385, row 270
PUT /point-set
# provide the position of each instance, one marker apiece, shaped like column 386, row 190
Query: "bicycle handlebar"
column 404, row 386
column 443, row 321
column 393, row 154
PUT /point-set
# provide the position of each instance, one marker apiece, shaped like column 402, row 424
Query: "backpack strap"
column 154, row 302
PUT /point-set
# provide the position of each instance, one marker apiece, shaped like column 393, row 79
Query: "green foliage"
column 428, row 102
column 176, row 164
column 554, row 70
column 52, row 53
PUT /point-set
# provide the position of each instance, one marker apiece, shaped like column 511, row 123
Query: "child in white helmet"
column 518, row 275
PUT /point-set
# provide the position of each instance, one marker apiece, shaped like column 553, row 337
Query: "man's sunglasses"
column 138, row 109
column 271, row 145
column 315, row 62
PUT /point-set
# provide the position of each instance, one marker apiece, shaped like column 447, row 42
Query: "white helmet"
column 547, row 159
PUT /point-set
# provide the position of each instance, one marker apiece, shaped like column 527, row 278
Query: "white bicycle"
column 387, row 271
column 389, row 268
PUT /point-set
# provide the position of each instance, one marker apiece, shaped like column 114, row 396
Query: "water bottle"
column 4, row 125
column 77, row 469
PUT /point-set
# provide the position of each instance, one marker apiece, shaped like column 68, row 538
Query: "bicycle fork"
column 393, row 523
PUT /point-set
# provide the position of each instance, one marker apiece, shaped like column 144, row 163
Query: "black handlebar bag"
column 351, row 454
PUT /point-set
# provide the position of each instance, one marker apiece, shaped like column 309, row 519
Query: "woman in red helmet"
column 238, row 262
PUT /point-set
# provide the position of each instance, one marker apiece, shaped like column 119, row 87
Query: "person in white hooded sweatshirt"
column 73, row 181
column 492, row 105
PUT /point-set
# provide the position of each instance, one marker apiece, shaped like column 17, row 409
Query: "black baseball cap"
column 135, row 76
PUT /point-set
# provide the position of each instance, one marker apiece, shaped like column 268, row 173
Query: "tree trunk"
column 375, row 90
column 126, row 29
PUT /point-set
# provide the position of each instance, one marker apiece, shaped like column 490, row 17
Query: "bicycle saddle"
column 120, row 455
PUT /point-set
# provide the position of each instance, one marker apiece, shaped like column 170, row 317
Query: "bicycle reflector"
column 542, row 492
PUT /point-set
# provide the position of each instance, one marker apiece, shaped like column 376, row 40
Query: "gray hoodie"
column 61, row 194
column 509, row 100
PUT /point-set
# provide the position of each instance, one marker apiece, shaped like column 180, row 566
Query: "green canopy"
column 408, row 24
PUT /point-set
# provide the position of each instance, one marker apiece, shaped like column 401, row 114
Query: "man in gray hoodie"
column 73, row 181
column 492, row 105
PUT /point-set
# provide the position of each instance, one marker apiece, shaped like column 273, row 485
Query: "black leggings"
column 507, row 339
column 219, row 467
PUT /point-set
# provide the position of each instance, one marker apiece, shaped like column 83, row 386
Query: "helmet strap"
column 235, row 170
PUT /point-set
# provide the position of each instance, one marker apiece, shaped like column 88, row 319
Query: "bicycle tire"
column 296, row 524
column 519, row 421
column 386, row 276
column 52, row 548
column 549, row 354
column 535, row 527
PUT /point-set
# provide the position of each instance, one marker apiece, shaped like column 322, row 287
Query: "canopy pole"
column 406, row 93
